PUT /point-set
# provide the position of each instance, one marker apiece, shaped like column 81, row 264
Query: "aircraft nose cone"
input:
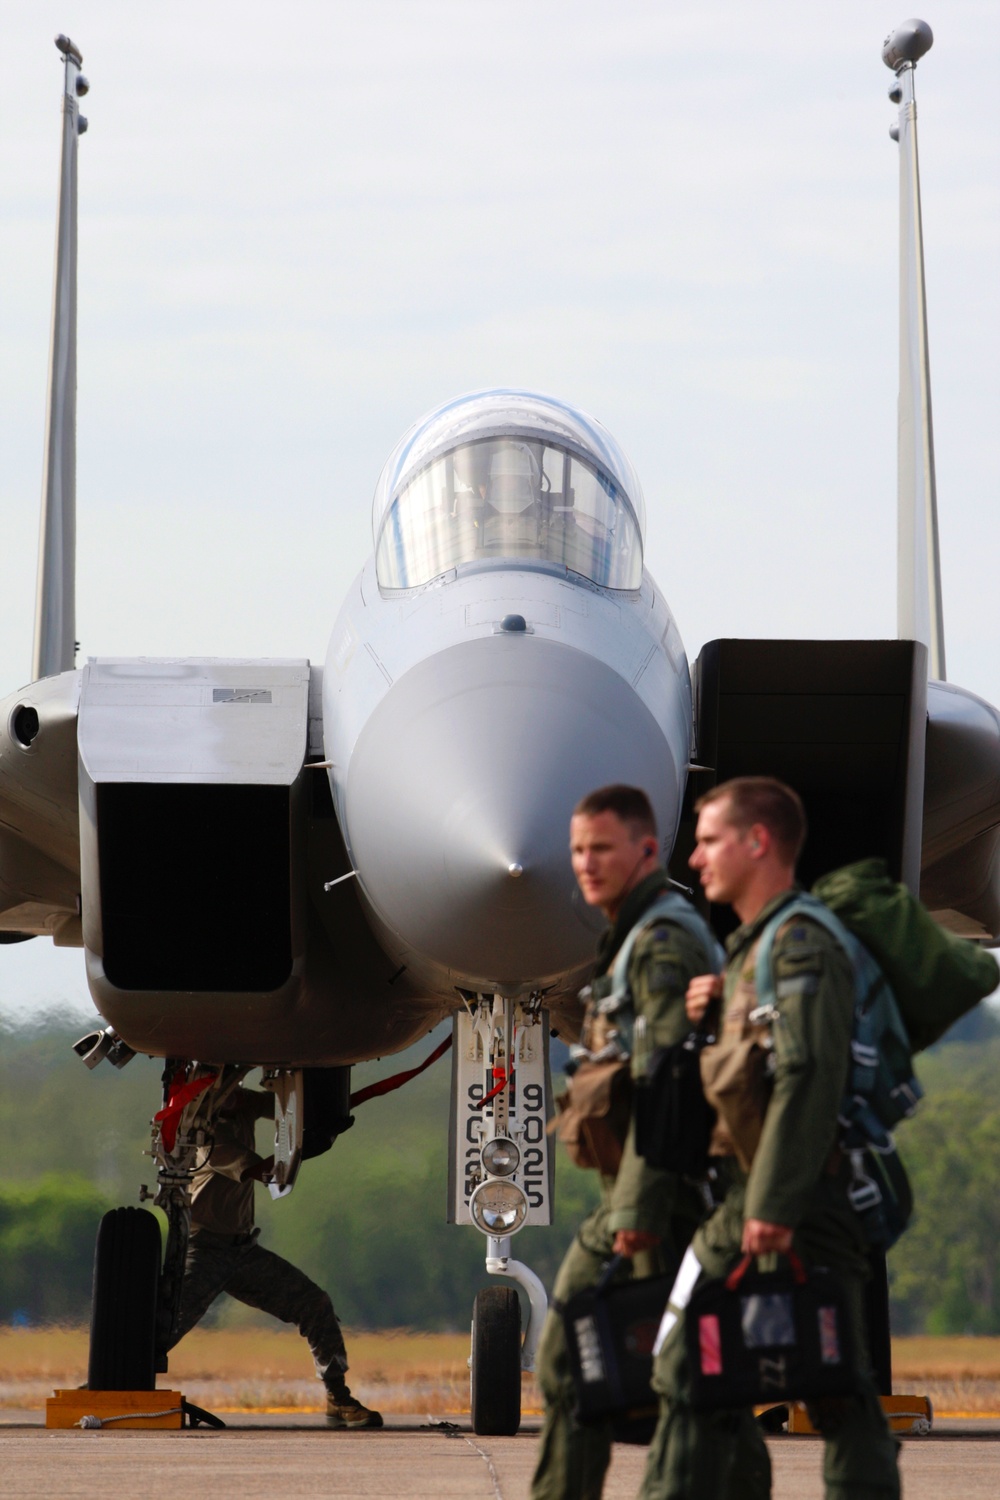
column 459, row 796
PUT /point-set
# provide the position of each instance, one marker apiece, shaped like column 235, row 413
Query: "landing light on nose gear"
column 498, row 1208
column 502, row 1180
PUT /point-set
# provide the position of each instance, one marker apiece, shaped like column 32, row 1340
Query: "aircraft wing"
column 39, row 811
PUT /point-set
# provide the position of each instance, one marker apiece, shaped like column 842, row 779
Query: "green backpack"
column 935, row 976
column 912, row 981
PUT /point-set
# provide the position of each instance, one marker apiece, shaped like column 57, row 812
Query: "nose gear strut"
column 502, row 1177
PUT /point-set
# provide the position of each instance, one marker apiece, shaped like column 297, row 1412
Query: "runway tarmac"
column 264, row 1456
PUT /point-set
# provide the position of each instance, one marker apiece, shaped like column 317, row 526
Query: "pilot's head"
column 749, row 835
column 514, row 481
column 504, row 473
column 613, row 845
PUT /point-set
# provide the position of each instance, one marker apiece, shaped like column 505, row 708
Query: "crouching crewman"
column 224, row 1256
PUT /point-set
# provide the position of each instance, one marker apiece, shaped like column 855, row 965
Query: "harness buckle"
column 863, row 1193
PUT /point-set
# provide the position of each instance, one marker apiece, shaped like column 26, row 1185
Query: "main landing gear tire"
column 496, row 1362
column 123, row 1310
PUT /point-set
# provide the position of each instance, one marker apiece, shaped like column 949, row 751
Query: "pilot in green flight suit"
column 782, row 1174
column 644, row 1214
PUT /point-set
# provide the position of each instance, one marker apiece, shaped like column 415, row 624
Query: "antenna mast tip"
column 69, row 49
column 905, row 46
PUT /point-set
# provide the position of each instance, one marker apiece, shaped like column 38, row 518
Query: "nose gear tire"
column 496, row 1362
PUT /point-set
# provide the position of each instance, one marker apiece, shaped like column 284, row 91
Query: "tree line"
column 367, row 1220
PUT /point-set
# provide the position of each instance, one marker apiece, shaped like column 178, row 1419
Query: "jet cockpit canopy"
column 508, row 475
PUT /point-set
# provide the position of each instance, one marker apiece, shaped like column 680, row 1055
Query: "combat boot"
column 342, row 1410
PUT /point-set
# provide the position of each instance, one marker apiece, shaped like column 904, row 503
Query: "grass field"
column 949, row 1358
column 255, row 1369
column 259, row 1369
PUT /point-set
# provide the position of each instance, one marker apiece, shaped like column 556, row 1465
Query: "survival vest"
column 595, row 1111
column 617, row 1004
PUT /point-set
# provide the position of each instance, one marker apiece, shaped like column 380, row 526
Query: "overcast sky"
column 301, row 229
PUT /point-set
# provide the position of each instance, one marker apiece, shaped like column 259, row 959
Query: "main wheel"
column 123, row 1310
column 496, row 1362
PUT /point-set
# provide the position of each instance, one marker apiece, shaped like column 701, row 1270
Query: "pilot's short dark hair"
column 763, row 799
column 628, row 803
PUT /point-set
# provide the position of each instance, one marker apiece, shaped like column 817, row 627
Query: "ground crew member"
column 224, row 1256
column 645, row 1214
column 794, row 1189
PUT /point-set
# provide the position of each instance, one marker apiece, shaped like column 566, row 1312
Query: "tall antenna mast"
column 918, row 598
column 55, row 595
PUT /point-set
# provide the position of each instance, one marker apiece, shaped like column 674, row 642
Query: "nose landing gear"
column 501, row 1177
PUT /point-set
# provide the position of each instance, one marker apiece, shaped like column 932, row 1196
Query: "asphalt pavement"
column 263, row 1456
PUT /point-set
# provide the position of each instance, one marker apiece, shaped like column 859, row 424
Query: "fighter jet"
column 290, row 866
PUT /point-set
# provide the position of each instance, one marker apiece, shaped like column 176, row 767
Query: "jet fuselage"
column 460, row 748
column 502, row 654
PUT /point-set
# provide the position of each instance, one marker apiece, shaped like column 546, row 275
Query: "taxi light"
column 501, row 1158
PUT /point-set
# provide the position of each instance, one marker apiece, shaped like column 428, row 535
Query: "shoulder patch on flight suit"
column 798, row 948
column 664, row 975
column 662, row 934
column 659, row 949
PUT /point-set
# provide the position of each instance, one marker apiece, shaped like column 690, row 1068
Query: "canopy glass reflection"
column 509, row 497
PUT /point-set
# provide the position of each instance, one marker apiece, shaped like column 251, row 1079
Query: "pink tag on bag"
column 829, row 1342
column 710, row 1344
